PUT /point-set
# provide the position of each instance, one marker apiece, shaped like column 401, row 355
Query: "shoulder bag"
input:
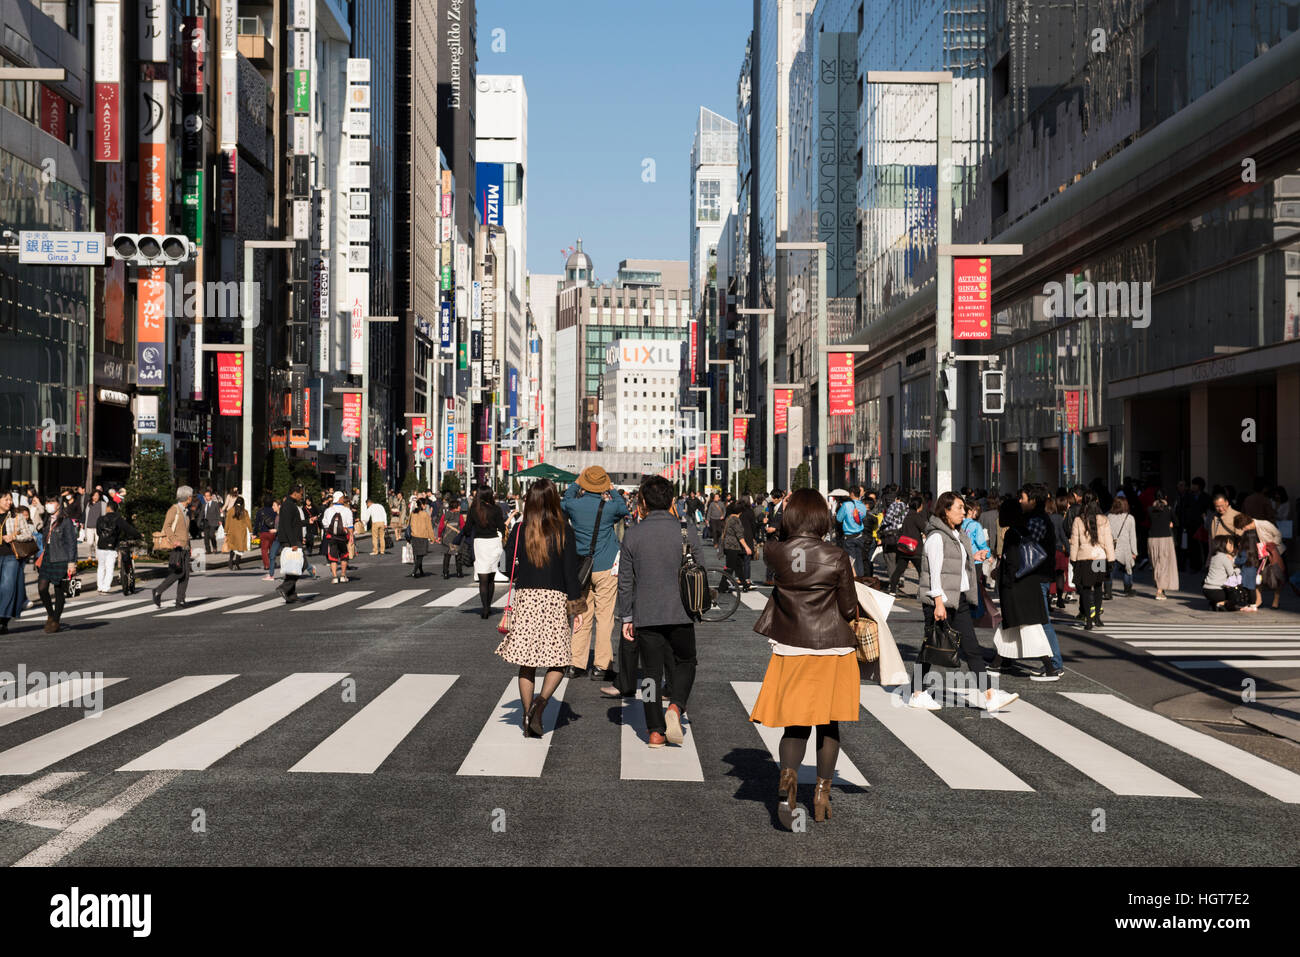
column 22, row 550
column 692, row 583
column 504, row 625
column 906, row 546
column 867, row 634
column 585, row 568
column 1031, row 555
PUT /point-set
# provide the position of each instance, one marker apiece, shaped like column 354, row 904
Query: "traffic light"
column 151, row 249
column 948, row 386
column 993, row 400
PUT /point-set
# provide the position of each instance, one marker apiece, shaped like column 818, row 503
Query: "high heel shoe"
column 787, row 790
column 528, row 717
column 822, row 800
column 535, row 715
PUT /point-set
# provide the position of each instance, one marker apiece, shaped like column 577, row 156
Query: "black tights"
column 487, row 586
column 54, row 609
column 419, row 565
column 1090, row 600
column 794, row 745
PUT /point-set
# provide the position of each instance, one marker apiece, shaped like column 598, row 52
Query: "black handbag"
column 177, row 562
column 1031, row 555
column 584, row 568
column 692, row 583
column 942, row 645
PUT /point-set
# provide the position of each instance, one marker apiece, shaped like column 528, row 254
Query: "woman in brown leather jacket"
column 812, row 678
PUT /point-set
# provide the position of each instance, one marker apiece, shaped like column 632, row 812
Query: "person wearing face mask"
column 60, row 550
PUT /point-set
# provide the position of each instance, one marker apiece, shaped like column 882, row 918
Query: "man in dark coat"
column 291, row 534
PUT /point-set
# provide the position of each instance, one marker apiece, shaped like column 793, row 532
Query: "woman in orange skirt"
column 812, row 680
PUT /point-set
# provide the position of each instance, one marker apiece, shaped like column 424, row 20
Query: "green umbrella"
column 547, row 471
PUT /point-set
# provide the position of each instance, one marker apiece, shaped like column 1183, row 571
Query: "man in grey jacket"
column 651, row 611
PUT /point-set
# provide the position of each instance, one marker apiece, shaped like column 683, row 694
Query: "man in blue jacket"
column 582, row 501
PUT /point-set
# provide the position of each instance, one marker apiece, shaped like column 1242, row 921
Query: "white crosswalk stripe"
column 1245, row 645
column 199, row 606
column 753, row 600
column 501, row 750
column 845, row 770
column 457, row 596
column 639, row 762
column 1262, row 775
column 40, row 753
column 333, row 601
column 270, row 603
column 1081, row 731
column 362, row 744
column 395, row 599
column 202, row 746
column 105, row 606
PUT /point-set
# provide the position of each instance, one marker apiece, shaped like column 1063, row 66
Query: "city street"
column 230, row 735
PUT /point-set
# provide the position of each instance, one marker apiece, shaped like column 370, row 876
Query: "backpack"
column 693, row 584
column 336, row 530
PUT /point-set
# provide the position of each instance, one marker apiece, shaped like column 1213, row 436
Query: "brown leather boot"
column 822, row 800
column 535, row 715
column 787, row 791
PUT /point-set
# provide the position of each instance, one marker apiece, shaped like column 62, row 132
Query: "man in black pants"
column 211, row 519
column 650, row 608
column 289, row 534
column 176, row 528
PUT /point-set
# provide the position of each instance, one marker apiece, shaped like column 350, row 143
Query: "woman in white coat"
column 1123, row 532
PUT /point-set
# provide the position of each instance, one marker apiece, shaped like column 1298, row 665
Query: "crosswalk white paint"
column 261, row 606
column 374, row 732
column 102, row 607
column 333, row 601
column 958, row 761
column 1108, row 766
column 63, row 693
column 1262, row 775
column 39, row 753
column 845, row 770
column 395, row 599
column 1241, row 664
column 207, row 604
column 753, row 600
column 207, row 743
column 1285, row 651
column 457, row 596
column 1193, row 643
column 501, row 750
column 640, row 762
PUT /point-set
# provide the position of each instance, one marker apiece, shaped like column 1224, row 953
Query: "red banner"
column 462, row 443
column 840, row 383
column 971, row 297
column 108, row 123
column 1072, row 410
column 54, row 114
column 740, row 430
column 352, row 415
column 230, row 383
column 781, row 417
column 694, row 346
column 715, row 443
column 519, row 463
column 505, row 460
column 417, row 432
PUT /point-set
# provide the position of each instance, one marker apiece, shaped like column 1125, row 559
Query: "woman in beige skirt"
column 1160, row 545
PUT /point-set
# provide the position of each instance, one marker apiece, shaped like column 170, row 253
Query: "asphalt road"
column 335, row 733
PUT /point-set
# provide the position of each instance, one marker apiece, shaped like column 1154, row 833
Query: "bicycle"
column 724, row 594
column 126, row 567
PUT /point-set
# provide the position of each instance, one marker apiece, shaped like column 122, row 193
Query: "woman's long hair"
column 543, row 521
column 1089, row 515
column 239, row 509
column 481, row 510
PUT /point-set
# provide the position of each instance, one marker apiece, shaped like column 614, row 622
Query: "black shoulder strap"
column 595, row 532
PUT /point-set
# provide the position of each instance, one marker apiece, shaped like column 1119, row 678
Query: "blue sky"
column 611, row 83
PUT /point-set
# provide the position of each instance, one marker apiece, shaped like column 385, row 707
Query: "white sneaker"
column 335, row 580
column 997, row 699
column 923, row 700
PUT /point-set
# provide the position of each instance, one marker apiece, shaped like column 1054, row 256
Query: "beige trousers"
column 600, row 613
column 377, row 538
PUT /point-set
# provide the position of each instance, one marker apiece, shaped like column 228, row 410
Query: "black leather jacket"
column 814, row 599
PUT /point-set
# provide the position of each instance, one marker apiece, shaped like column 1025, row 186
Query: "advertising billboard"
column 490, row 180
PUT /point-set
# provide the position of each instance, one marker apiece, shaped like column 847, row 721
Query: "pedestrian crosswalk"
column 1227, row 642
column 1030, row 747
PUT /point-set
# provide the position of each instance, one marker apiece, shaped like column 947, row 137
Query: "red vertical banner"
column 108, row 123
column 230, row 383
column 840, row 383
column 781, row 414
column 462, row 443
column 505, row 460
column 740, row 430
column 417, row 431
column 971, row 297
column 519, row 463
column 694, row 346
column 114, row 272
column 1072, row 410
column 715, row 444
column 54, row 114
column 352, row 415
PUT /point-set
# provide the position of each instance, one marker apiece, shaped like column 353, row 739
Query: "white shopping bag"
column 291, row 561
column 408, row 554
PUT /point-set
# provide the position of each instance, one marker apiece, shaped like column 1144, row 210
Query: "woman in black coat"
column 1020, row 599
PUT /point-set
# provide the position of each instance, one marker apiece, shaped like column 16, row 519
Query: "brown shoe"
column 657, row 740
column 51, row 626
column 787, row 790
column 822, row 800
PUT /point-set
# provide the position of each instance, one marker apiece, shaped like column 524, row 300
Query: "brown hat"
column 594, row 479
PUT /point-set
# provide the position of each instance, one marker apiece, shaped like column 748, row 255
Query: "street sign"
column 428, row 435
column 428, row 451
column 51, row 248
